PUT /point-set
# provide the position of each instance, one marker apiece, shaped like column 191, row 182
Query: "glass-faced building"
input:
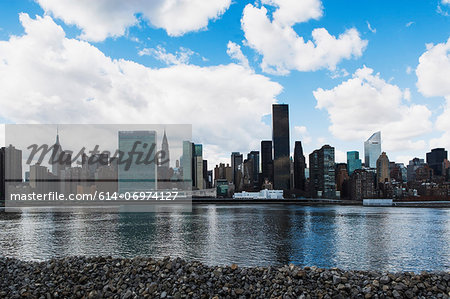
column 322, row 172
column 372, row 150
column 280, row 137
column 137, row 177
column 435, row 158
column 353, row 162
column 266, row 161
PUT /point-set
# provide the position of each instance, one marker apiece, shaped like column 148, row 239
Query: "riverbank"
column 99, row 277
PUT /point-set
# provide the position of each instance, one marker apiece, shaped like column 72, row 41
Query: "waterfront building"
column 263, row 194
column 383, row 168
column 341, row 176
column 322, row 172
column 237, row 169
column 138, row 177
column 353, row 162
column 186, row 161
column 435, row 158
column 266, row 161
column 198, row 166
column 372, row 150
column 299, row 167
column 253, row 156
column 222, row 172
column 13, row 164
column 413, row 165
column 362, row 185
column 281, row 149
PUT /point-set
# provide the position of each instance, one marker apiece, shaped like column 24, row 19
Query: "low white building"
column 263, row 194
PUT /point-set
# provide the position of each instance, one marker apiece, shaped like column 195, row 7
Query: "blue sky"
column 391, row 37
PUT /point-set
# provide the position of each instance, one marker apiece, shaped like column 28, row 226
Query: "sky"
column 346, row 68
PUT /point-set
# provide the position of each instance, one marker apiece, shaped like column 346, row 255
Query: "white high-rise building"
column 372, row 150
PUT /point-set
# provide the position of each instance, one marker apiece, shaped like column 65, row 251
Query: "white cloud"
column 373, row 30
column 409, row 24
column 433, row 80
column 433, row 71
column 366, row 103
column 301, row 133
column 235, row 52
column 100, row 19
column 409, row 70
column 283, row 50
column 445, row 1
column 181, row 56
column 49, row 78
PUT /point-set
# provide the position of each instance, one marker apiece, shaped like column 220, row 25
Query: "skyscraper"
column 322, row 172
column 139, row 176
column 56, row 157
column 383, row 168
column 353, row 162
column 237, row 169
column 165, row 151
column 198, row 166
column 13, row 164
column 435, row 158
column 280, row 137
column 299, row 166
column 266, row 161
column 186, row 165
column 372, row 150
column 253, row 156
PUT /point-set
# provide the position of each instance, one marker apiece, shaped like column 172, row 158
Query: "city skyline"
column 117, row 71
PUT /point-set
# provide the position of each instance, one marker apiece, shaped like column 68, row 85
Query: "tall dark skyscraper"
column 435, row 158
column 280, row 138
column 254, row 157
column 299, row 166
column 266, row 160
column 237, row 166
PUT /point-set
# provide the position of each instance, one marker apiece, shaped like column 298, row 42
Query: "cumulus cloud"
column 433, row 80
column 235, row 52
column 283, row 50
column 100, row 19
column 181, row 56
column 49, row 78
column 301, row 133
column 366, row 103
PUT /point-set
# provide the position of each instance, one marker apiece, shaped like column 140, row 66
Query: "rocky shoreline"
column 100, row 277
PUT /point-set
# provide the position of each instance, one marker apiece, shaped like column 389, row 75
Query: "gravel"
column 99, row 277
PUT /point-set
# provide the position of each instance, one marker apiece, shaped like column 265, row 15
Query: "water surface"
column 348, row 237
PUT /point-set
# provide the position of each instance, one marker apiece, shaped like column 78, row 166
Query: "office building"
column 299, row 167
column 13, row 164
column 413, row 165
column 353, row 162
column 266, row 161
column 372, row 150
column 435, row 158
column 322, row 172
column 137, row 177
column 281, row 149
column 222, row 172
column 341, row 176
column 198, row 166
column 237, row 169
column 253, row 170
column 383, row 168
column 56, row 157
column 362, row 185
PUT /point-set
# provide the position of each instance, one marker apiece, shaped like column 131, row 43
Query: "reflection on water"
column 393, row 239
